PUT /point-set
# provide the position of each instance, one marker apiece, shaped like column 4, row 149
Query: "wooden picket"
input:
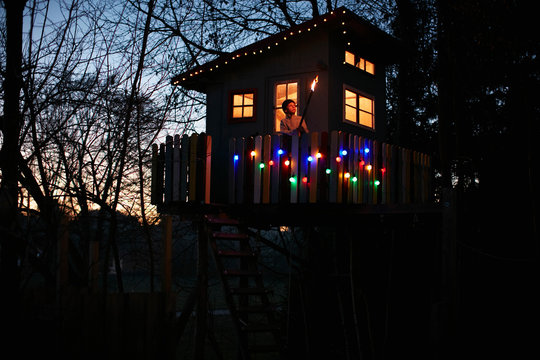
column 333, row 167
column 184, row 166
column 257, row 159
column 192, row 167
column 168, row 169
column 294, row 168
column 275, row 169
column 232, row 170
column 157, row 176
column 266, row 171
column 314, row 170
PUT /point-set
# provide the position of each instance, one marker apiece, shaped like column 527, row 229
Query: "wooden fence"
column 80, row 325
column 123, row 326
column 317, row 167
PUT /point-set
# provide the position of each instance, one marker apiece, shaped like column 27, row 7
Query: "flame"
column 316, row 80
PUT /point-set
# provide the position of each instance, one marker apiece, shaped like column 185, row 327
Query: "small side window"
column 242, row 106
column 358, row 62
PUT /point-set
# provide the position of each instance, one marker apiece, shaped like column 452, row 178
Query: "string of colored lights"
column 328, row 171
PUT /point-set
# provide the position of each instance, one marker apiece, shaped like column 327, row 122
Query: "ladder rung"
column 221, row 220
column 233, row 253
column 256, row 309
column 236, row 272
column 229, row 236
column 264, row 348
column 249, row 291
column 260, row 328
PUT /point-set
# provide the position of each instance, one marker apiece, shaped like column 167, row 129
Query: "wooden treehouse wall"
column 333, row 167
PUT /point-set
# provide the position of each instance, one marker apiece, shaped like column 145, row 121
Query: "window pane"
column 370, row 67
column 361, row 64
column 349, row 58
column 248, row 111
column 366, row 104
column 237, row 112
column 366, row 119
column 350, row 98
column 292, row 92
column 248, row 99
column 278, row 115
column 237, row 99
column 350, row 113
column 281, row 94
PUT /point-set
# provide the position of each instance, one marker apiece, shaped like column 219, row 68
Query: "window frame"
column 232, row 93
column 277, row 107
column 357, row 60
column 358, row 94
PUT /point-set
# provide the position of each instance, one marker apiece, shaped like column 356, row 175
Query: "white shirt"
column 288, row 125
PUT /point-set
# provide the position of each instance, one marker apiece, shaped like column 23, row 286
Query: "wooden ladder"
column 245, row 294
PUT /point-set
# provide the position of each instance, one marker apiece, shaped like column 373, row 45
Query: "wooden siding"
column 333, row 167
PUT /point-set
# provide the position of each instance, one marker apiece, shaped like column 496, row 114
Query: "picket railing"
column 333, row 167
column 181, row 169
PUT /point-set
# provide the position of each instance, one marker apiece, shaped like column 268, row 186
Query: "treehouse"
column 245, row 89
column 333, row 67
column 243, row 174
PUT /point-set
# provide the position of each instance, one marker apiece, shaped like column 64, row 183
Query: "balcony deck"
column 325, row 176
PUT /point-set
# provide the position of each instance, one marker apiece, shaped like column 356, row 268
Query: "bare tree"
column 91, row 107
column 96, row 93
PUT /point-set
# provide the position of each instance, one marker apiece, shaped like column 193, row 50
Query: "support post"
column 166, row 221
column 450, row 271
column 93, row 259
column 63, row 253
column 202, row 301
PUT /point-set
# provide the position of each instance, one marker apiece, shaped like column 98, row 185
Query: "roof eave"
column 192, row 78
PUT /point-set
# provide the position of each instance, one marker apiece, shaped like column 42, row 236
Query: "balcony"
column 331, row 170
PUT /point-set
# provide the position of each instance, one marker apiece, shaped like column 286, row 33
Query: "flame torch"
column 315, row 81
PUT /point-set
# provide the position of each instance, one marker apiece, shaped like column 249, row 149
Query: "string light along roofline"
column 340, row 17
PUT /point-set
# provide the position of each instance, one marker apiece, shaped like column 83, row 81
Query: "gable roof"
column 341, row 17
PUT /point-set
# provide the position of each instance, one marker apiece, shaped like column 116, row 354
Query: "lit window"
column 359, row 62
column 349, row 58
column 242, row 107
column 359, row 109
column 351, row 106
column 283, row 91
column 370, row 67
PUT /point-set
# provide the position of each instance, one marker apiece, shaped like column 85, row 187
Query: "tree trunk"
column 10, row 127
column 446, row 106
column 406, row 24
